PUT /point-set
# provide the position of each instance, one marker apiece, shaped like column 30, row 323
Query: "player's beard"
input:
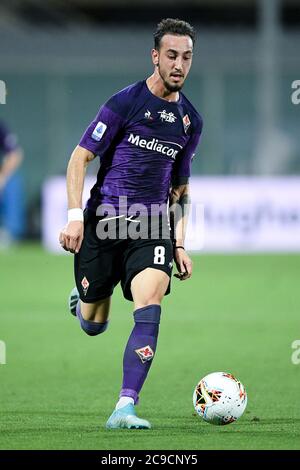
column 169, row 86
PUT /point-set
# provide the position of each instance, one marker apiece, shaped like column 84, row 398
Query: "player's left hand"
column 184, row 264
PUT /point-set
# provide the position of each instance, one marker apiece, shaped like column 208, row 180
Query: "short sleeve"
column 102, row 131
column 109, row 121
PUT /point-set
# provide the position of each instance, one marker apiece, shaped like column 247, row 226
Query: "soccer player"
column 145, row 136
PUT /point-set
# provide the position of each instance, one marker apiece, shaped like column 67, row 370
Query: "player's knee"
column 152, row 295
column 93, row 328
column 154, row 300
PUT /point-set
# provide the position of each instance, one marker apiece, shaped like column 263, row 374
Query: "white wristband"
column 75, row 214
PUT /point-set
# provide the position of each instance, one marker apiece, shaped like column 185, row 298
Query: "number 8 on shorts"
column 159, row 255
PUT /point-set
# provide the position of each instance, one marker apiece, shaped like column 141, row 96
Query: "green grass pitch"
column 238, row 314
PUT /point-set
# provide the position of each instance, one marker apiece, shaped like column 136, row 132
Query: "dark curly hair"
column 173, row 26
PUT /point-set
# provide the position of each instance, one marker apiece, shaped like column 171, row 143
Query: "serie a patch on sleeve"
column 99, row 131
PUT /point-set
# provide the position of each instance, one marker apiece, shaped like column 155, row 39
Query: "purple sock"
column 140, row 350
column 91, row 328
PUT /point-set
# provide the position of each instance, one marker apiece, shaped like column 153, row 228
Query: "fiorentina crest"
column 145, row 354
column 186, row 122
column 85, row 285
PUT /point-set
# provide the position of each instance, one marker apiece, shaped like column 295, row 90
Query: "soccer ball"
column 220, row 398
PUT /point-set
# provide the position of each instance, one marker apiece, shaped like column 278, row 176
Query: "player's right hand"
column 71, row 236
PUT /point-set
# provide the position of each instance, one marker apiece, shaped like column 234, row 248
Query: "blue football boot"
column 125, row 418
column 73, row 299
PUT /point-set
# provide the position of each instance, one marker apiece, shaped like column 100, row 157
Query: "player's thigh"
column 97, row 269
column 96, row 311
column 147, row 268
column 149, row 287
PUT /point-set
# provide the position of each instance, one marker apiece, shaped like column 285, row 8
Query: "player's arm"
column 96, row 140
column 10, row 164
column 179, row 203
column 71, row 236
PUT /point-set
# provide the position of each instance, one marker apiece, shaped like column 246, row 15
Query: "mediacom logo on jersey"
column 155, row 145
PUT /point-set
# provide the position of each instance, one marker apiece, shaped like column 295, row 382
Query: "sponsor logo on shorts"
column 85, row 285
column 99, row 130
column 145, row 354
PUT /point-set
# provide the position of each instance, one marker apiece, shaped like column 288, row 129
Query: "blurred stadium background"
column 60, row 60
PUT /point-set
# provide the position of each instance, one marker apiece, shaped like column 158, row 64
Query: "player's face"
column 174, row 60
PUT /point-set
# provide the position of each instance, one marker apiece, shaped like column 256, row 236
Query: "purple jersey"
column 8, row 141
column 144, row 143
